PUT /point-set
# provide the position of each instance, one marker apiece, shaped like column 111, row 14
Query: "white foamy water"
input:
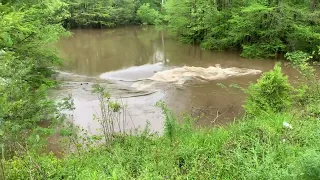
column 182, row 74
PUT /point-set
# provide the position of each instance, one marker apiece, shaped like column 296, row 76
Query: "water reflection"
column 92, row 52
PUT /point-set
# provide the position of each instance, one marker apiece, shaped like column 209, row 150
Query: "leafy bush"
column 272, row 93
column 170, row 124
column 113, row 115
column 311, row 165
column 147, row 15
column 25, row 70
column 309, row 84
column 269, row 49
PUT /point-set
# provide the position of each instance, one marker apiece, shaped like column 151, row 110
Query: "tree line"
column 109, row 13
column 259, row 28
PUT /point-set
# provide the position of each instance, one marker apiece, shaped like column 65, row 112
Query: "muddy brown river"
column 141, row 66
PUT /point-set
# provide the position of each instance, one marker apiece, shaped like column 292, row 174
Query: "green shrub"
column 147, row 15
column 311, row 166
column 272, row 93
column 170, row 124
column 269, row 49
column 309, row 84
column 28, row 29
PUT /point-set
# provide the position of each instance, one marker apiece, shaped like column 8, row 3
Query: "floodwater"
column 141, row 66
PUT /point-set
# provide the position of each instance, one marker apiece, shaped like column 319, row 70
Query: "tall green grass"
column 255, row 148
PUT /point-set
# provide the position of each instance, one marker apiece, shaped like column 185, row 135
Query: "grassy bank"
column 255, row 148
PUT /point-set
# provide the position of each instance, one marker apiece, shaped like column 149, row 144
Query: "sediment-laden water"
column 142, row 66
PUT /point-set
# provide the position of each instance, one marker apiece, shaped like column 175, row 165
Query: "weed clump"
column 272, row 93
column 311, row 166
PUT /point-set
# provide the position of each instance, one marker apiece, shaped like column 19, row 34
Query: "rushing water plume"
column 183, row 74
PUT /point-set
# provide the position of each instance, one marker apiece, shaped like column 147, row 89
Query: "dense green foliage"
column 108, row 13
column 26, row 35
column 272, row 93
column 308, row 97
column 148, row 15
column 260, row 28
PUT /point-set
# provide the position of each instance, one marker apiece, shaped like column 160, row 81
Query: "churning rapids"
column 140, row 91
column 141, row 66
column 181, row 75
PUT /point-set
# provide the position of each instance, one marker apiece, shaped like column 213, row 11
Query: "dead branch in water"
column 139, row 95
column 221, row 114
column 200, row 112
